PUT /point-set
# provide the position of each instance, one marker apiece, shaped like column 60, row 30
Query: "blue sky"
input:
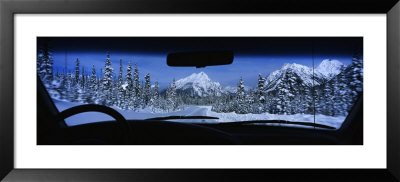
column 252, row 55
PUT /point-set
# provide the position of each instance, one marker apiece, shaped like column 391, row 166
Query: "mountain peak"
column 294, row 66
column 304, row 72
column 327, row 62
column 326, row 70
column 198, row 76
column 329, row 67
column 198, row 84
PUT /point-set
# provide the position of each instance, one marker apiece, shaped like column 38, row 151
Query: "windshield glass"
column 298, row 79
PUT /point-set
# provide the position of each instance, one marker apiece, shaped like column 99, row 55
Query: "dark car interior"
column 52, row 130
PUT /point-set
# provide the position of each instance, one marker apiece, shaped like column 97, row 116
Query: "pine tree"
column 114, row 91
column 155, row 100
column 77, row 73
column 128, row 88
column 86, row 96
column 61, row 79
column 121, row 92
column 147, row 90
column 136, row 87
column 171, row 99
column 337, row 97
column 298, row 90
column 328, row 99
column 307, row 101
column 239, row 105
column 156, row 91
column 120, row 73
column 261, row 94
column 279, row 100
column 69, row 88
column 93, row 86
column 76, row 83
column 167, row 105
column 260, row 89
column 356, row 75
column 45, row 62
column 286, row 93
column 83, row 78
column 107, row 82
column 343, row 93
column 173, row 95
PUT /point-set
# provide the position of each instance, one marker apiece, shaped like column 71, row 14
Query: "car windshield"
column 294, row 79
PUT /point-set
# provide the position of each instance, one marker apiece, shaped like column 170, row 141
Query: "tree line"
column 334, row 97
column 123, row 91
column 291, row 96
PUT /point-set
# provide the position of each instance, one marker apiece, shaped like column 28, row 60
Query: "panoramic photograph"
column 200, row 90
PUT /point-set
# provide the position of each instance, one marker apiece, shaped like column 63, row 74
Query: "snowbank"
column 197, row 111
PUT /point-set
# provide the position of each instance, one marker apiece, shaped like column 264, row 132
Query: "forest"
column 289, row 95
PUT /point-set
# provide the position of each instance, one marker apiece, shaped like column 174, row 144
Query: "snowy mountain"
column 326, row 70
column 329, row 68
column 198, row 84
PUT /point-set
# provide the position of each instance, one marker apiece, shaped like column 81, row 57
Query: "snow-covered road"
column 196, row 111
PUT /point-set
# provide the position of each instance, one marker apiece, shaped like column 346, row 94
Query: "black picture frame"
column 8, row 8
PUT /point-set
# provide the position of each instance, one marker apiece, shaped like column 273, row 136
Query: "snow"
column 200, row 83
column 305, row 73
column 124, row 86
column 329, row 67
column 335, row 122
column 90, row 117
column 56, row 83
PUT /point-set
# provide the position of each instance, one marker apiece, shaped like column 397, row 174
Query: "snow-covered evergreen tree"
column 155, row 99
column 338, row 98
column 120, row 79
column 86, row 96
column 146, row 95
column 114, row 91
column 343, row 93
column 156, row 93
column 92, row 95
column 77, row 73
column 120, row 86
column 307, row 101
column 83, row 78
column 261, row 101
column 356, row 75
column 70, row 92
column 328, row 100
column 239, row 105
column 136, row 87
column 76, row 84
column 45, row 62
column 128, row 88
column 260, row 89
column 171, row 97
column 107, row 82
column 286, row 93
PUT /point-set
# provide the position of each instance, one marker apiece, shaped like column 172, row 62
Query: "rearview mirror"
column 200, row 59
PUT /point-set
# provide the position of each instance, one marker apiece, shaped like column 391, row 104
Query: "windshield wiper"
column 279, row 122
column 182, row 117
